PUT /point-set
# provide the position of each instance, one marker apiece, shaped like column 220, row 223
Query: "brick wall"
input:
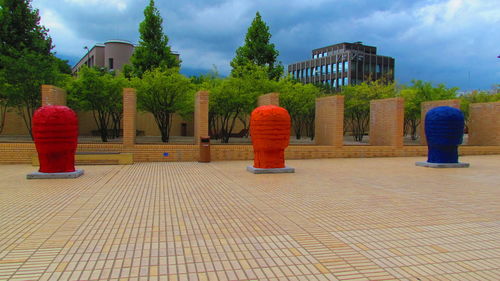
column 387, row 122
column 201, row 116
column 329, row 123
column 129, row 116
column 146, row 123
column 52, row 95
column 269, row 99
column 484, row 123
column 428, row 105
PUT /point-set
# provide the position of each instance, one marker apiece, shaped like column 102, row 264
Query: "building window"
column 377, row 69
column 346, row 66
column 340, row 67
column 346, row 81
column 327, row 69
column 322, row 69
column 334, row 68
column 339, row 82
column 111, row 67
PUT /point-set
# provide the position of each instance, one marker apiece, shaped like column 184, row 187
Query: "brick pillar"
column 200, row 116
column 129, row 117
column 428, row 105
column 269, row 99
column 329, row 122
column 387, row 122
column 52, row 95
column 484, row 123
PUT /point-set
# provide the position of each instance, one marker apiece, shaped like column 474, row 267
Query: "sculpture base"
column 68, row 175
column 442, row 165
column 254, row 170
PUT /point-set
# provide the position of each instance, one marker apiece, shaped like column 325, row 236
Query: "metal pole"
column 87, row 56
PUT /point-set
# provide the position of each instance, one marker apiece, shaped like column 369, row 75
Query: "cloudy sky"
column 455, row 42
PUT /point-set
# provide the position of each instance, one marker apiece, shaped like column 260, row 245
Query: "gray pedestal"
column 287, row 169
column 39, row 175
column 442, row 165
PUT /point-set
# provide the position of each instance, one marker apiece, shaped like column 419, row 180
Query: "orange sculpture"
column 270, row 131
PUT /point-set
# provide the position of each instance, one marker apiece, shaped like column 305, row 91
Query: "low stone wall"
column 21, row 153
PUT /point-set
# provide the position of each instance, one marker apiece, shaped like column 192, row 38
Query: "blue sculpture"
column 444, row 129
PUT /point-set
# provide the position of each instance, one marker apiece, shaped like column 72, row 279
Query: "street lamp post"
column 87, row 56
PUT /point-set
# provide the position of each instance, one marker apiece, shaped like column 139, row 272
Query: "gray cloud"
column 443, row 41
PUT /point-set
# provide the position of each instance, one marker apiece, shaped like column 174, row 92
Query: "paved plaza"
column 334, row 219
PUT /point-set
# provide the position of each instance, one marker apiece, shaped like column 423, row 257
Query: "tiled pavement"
column 334, row 219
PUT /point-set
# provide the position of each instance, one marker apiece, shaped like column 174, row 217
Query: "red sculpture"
column 270, row 131
column 55, row 130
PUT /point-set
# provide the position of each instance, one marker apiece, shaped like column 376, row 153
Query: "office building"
column 113, row 55
column 343, row 64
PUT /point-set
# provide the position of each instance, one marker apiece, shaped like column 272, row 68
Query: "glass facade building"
column 343, row 64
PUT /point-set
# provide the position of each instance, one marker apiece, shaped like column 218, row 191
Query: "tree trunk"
column 413, row 126
column 164, row 120
column 3, row 113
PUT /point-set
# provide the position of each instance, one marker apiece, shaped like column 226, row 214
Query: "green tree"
column 204, row 81
column 20, row 29
column 153, row 50
column 417, row 93
column 25, row 75
column 258, row 49
column 26, row 60
column 235, row 97
column 98, row 91
column 357, row 104
column 163, row 93
column 300, row 101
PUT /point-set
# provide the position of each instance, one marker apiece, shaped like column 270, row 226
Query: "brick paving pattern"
column 334, row 219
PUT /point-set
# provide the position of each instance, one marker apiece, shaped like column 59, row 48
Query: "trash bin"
column 204, row 149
